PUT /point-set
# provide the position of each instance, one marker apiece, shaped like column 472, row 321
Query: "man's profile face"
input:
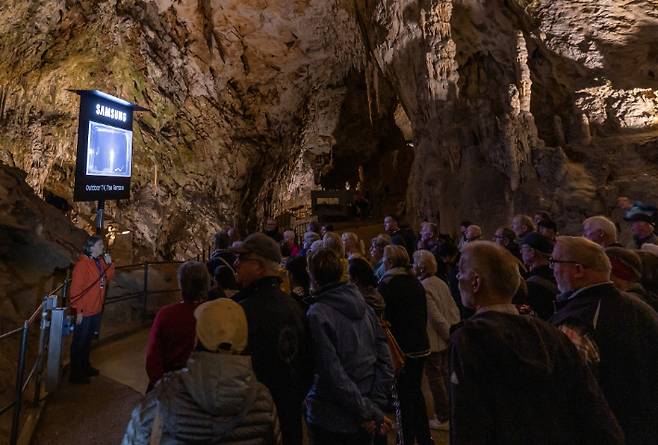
column 563, row 272
column 641, row 229
column 527, row 254
column 592, row 233
column 499, row 238
column 517, row 227
column 425, row 232
column 389, row 224
column 465, row 277
column 270, row 224
column 248, row 269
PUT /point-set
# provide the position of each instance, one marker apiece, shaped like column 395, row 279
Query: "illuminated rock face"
column 520, row 105
column 509, row 106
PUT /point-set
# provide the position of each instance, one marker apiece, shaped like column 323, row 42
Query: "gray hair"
column 425, row 261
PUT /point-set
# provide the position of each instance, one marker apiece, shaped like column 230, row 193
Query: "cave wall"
column 518, row 105
column 466, row 108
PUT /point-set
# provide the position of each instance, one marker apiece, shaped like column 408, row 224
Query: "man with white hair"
column 277, row 333
column 616, row 334
column 473, row 233
column 515, row 379
column 600, row 230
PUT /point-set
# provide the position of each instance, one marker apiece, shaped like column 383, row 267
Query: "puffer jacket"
column 215, row 400
column 353, row 370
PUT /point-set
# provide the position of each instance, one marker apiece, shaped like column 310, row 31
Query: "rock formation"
column 453, row 108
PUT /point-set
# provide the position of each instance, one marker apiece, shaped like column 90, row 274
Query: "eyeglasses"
column 552, row 262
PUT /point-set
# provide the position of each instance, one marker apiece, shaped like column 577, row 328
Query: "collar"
column 505, row 308
column 564, row 296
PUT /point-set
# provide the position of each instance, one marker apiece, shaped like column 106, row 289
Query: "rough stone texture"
column 506, row 106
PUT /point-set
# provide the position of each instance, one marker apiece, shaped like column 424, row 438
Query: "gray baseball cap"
column 261, row 245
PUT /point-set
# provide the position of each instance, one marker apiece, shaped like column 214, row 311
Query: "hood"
column 219, row 383
column 344, row 298
column 519, row 349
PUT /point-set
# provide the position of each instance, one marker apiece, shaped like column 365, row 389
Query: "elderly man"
column 400, row 236
column 536, row 250
column 616, row 334
column 276, row 330
column 522, row 225
column 626, row 274
column 473, row 233
column 600, row 230
column 642, row 227
column 505, row 237
column 515, row 379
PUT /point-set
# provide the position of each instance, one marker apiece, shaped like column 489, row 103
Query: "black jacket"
column 625, row 332
column 406, row 310
column 406, row 238
column 277, row 340
column 542, row 290
column 516, row 380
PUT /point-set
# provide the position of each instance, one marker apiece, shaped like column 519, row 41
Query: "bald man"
column 616, row 334
column 515, row 379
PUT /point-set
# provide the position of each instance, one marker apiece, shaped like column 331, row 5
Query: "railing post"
column 65, row 289
column 146, row 290
column 42, row 346
column 20, row 373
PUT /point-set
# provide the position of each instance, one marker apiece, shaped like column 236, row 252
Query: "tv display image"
column 109, row 151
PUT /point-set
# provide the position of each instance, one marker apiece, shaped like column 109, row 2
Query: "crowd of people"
column 533, row 337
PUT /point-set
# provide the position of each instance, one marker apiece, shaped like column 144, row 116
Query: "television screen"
column 109, row 151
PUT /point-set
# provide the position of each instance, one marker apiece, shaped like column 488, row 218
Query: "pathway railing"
column 54, row 323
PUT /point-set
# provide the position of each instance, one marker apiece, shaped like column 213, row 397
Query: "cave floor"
column 97, row 414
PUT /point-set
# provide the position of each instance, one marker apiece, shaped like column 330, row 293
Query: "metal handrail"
column 23, row 381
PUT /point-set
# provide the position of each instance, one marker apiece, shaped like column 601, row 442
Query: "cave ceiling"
column 481, row 109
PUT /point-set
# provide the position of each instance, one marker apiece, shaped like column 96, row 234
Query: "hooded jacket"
column 517, row 380
column 215, row 400
column 353, row 370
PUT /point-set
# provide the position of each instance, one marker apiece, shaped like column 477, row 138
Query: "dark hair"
column 447, row 250
column 508, row 234
column 221, row 240
column 324, row 266
column 393, row 217
column 89, row 243
column 193, row 280
column 548, row 224
column 544, row 216
column 296, row 266
column 465, row 223
column 328, row 227
column 361, row 273
column 225, row 277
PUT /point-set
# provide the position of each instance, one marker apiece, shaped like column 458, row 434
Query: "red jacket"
column 88, row 286
column 171, row 340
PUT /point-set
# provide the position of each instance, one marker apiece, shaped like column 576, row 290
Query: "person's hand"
column 108, row 258
column 78, row 318
column 385, row 426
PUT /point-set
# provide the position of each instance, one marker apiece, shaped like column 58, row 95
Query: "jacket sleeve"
column 381, row 389
column 78, row 285
column 328, row 366
column 597, row 422
column 471, row 421
column 155, row 351
column 437, row 320
column 141, row 421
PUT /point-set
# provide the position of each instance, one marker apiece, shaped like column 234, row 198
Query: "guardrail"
column 43, row 313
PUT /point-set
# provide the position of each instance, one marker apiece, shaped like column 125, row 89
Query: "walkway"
column 97, row 414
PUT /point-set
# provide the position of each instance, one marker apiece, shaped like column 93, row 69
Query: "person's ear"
column 476, row 283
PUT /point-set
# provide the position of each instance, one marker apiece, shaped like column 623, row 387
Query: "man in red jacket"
column 91, row 274
column 171, row 338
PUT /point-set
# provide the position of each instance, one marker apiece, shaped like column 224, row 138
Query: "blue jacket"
column 353, row 371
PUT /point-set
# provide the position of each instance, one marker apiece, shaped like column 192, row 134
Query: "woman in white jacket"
column 442, row 313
